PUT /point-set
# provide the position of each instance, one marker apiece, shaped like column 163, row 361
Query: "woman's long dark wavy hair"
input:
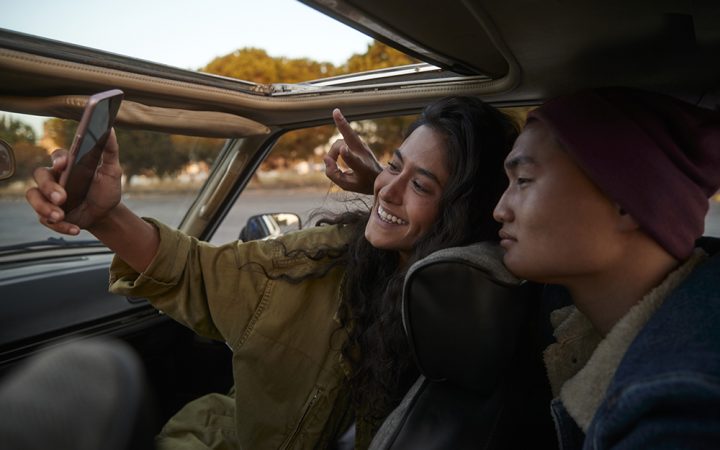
column 477, row 139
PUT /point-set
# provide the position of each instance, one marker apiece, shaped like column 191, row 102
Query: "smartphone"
column 87, row 146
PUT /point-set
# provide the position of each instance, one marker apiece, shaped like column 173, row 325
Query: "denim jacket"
column 665, row 394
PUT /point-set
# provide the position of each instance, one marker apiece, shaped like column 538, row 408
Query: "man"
column 608, row 193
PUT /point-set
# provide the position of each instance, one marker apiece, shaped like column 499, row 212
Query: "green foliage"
column 148, row 152
column 28, row 156
column 21, row 137
column 13, row 131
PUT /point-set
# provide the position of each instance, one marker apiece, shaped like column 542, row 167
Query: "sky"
column 187, row 34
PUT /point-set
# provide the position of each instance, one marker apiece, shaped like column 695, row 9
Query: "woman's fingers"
column 46, row 181
column 351, row 138
column 332, row 170
column 335, row 148
column 61, row 227
column 362, row 165
column 354, row 161
column 46, row 198
column 111, row 153
column 59, row 160
column 49, row 214
column 43, row 207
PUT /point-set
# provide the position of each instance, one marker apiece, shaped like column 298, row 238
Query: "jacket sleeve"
column 216, row 290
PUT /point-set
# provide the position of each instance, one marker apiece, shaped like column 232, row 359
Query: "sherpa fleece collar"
column 581, row 364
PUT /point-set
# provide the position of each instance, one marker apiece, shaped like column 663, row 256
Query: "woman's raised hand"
column 48, row 196
column 363, row 167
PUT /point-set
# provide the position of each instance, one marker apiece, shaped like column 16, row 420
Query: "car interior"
column 512, row 54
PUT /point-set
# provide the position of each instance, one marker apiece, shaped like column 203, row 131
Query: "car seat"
column 471, row 327
column 80, row 395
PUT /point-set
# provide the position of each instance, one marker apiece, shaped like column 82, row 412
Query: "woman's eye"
column 420, row 187
column 522, row 181
column 392, row 167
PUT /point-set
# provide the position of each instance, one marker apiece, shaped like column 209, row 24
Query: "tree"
column 148, row 152
column 253, row 64
column 21, row 137
column 300, row 144
column 13, row 131
column 59, row 132
column 195, row 149
column 142, row 152
column 28, row 156
column 377, row 56
column 388, row 135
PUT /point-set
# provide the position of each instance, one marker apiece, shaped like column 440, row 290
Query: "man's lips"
column 506, row 237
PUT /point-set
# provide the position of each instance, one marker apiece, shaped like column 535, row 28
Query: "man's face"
column 557, row 225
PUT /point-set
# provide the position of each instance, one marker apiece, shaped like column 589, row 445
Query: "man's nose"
column 502, row 212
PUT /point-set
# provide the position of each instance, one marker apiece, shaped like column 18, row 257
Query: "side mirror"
column 266, row 226
column 7, row 161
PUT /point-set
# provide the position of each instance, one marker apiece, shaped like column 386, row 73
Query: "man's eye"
column 522, row 181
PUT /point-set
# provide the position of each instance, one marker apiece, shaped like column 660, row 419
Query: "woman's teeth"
column 389, row 218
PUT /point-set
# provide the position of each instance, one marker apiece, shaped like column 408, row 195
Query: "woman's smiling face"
column 407, row 193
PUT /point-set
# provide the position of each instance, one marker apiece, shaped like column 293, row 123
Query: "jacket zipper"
column 291, row 439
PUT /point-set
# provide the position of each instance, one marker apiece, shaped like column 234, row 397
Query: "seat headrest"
column 463, row 314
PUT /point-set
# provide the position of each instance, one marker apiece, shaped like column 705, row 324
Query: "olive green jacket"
column 282, row 327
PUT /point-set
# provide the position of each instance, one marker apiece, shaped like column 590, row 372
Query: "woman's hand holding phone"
column 103, row 195
column 82, row 189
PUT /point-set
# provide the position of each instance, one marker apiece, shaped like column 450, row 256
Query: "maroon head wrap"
column 654, row 155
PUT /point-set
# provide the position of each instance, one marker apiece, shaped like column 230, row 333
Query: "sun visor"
column 137, row 115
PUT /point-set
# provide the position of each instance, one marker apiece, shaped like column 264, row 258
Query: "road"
column 18, row 223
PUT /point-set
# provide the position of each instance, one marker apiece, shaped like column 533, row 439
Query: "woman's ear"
column 626, row 222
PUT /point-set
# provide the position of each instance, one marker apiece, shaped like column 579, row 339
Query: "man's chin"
column 512, row 265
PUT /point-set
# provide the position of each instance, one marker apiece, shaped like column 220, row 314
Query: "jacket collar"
column 581, row 363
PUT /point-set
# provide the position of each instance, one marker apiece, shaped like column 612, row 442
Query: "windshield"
column 162, row 175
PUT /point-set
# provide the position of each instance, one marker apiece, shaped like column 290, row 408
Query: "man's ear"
column 626, row 222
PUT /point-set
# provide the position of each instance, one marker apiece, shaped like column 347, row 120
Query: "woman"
column 312, row 317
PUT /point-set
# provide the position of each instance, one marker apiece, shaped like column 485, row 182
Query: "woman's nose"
column 392, row 191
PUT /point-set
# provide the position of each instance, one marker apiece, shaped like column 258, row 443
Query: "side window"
column 292, row 177
column 162, row 172
column 712, row 221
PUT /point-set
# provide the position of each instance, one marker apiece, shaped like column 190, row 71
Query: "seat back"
column 467, row 320
column 79, row 395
